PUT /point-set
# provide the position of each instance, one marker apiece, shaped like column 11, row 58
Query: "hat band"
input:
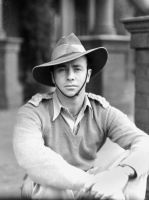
column 66, row 49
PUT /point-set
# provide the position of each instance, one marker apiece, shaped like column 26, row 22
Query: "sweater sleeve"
column 41, row 163
column 124, row 132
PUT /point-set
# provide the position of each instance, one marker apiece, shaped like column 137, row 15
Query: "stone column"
column 139, row 29
column 10, row 89
column 104, row 17
column 2, row 32
column 67, row 15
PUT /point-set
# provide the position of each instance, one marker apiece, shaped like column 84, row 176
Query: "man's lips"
column 70, row 86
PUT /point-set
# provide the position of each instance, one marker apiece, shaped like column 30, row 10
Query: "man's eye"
column 61, row 69
column 77, row 69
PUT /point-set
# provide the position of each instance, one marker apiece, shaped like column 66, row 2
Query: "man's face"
column 70, row 77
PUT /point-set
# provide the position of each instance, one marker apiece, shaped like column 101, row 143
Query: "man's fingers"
column 98, row 193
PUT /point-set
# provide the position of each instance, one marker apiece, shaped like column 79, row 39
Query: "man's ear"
column 89, row 73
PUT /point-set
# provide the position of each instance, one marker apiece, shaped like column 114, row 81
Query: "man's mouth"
column 70, row 86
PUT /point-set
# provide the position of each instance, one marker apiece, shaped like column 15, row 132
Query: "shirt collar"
column 57, row 106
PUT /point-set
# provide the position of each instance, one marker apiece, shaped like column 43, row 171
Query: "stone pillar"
column 2, row 32
column 10, row 89
column 139, row 29
column 67, row 16
column 104, row 17
column 91, row 15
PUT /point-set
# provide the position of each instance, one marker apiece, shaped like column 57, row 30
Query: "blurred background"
column 28, row 32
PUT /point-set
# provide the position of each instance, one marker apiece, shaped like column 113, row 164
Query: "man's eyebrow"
column 77, row 65
column 61, row 65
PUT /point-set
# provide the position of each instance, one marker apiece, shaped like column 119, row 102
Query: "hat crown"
column 66, row 46
column 70, row 39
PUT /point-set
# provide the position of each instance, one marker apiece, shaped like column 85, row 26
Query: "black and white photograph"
column 74, row 99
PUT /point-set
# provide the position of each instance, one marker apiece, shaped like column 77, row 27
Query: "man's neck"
column 73, row 104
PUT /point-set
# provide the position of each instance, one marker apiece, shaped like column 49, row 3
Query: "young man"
column 74, row 144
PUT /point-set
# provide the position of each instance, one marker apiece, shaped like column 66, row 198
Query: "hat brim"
column 97, row 59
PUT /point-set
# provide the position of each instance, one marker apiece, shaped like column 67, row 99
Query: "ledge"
column 10, row 43
column 105, row 37
column 137, row 24
column 11, row 39
column 139, row 29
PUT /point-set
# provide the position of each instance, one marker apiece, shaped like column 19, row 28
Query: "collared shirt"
column 70, row 120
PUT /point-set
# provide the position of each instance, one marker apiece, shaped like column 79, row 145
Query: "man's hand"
column 110, row 184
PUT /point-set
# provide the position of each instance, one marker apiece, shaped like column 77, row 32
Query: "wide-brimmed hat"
column 67, row 49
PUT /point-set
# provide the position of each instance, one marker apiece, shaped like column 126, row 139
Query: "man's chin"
column 70, row 94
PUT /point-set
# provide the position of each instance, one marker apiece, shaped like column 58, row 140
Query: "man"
column 71, row 143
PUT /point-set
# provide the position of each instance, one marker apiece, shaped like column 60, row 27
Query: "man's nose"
column 70, row 74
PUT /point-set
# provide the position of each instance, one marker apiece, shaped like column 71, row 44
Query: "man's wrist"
column 129, row 171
